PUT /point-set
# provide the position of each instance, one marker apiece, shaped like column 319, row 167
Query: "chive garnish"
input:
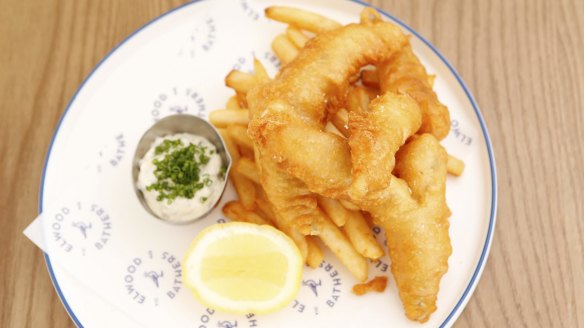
column 178, row 173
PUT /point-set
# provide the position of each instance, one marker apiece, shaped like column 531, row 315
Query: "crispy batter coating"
column 298, row 159
column 377, row 284
column 416, row 224
column 376, row 135
column 288, row 115
column 404, row 74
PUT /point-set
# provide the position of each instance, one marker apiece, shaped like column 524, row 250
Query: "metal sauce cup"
column 181, row 123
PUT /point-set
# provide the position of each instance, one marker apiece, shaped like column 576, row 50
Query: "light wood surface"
column 522, row 59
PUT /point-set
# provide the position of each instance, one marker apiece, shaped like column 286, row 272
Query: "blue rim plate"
column 456, row 310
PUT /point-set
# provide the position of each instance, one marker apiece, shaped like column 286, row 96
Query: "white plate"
column 177, row 62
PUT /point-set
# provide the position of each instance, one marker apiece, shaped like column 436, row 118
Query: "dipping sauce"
column 181, row 176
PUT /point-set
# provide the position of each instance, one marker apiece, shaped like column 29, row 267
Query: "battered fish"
column 416, row 224
column 404, row 74
column 288, row 116
column 298, row 159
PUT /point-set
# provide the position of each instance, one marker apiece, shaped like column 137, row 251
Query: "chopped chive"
column 178, row 173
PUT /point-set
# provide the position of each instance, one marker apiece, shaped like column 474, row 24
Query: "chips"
column 301, row 19
column 284, row 48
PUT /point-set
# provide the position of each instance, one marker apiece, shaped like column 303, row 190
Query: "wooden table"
column 522, row 59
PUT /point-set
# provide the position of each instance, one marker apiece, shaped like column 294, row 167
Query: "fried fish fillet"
column 414, row 214
column 288, row 117
column 297, row 159
column 376, row 135
column 404, row 74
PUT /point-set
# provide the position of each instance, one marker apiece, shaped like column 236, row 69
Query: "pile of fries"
column 349, row 231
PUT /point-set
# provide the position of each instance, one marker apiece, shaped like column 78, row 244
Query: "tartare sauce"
column 181, row 176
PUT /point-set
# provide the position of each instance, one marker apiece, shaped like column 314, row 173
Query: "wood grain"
column 522, row 59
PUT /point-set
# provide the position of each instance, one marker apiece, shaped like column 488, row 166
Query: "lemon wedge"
column 243, row 268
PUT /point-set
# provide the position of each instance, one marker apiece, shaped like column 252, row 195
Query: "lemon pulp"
column 243, row 268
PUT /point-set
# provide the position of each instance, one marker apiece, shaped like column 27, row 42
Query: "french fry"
column 341, row 121
column 298, row 238
column 302, row 19
column 315, row 255
column 348, row 205
column 236, row 211
column 454, row 165
column 260, row 72
column 247, row 168
column 232, row 103
column 297, row 37
column 335, row 211
column 239, row 135
column 221, row 118
column 264, row 206
column 361, row 237
column 370, row 78
column 330, row 128
column 240, row 81
column 230, row 145
column 284, row 48
column 245, row 190
column 357, row 100
column 338, row 243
